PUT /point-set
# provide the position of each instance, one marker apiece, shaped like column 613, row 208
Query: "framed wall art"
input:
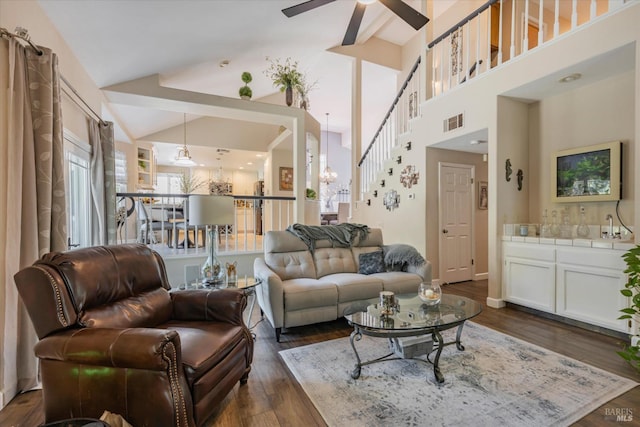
column 286, row 179
column 483, row 194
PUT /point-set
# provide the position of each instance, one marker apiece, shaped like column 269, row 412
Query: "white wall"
column 602, row 111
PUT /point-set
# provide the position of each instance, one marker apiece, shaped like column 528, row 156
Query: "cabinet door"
column 592, row 295
column 530, row 283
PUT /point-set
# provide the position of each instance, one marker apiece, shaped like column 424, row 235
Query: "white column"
column 356, row 127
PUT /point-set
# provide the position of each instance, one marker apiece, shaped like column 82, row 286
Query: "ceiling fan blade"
column 304, row 7
column 354, row 25
column 406, row 12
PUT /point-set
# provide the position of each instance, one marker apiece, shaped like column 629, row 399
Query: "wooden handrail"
column 466, row 19
column 393, row 105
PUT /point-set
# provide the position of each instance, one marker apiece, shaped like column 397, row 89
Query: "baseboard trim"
column 480, row 276
column 496, row 302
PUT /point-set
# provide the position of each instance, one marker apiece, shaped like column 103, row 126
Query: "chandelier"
column 328, row 176
column 184, row 158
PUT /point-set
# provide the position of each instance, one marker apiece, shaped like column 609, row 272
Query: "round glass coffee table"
column 410, row 318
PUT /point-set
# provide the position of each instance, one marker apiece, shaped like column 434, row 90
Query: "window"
column 121, row 172
column 169, row 183
column 78, row 187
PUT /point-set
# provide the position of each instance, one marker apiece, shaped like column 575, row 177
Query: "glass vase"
column 430, row 292
column 213, row 273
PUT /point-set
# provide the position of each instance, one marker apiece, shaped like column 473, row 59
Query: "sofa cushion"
column 371, row 262
column 333, row 260
column 204, row 344
column 305, row 293
column 145, row 310
column 356, row 287
column 282, row 241
column 291, row 265
column 399, row 282
column 374, row 238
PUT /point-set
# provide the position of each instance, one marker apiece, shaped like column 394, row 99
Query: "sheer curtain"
column 103, row 182
column 32, row 195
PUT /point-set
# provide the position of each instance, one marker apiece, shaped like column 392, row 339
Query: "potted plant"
column 285, row 76
column 311, row 194
column 245, row 91
column 631, row 353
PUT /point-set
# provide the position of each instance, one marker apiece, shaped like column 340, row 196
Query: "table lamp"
column 211, row 211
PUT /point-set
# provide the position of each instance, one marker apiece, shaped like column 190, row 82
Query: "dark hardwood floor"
column 272, row 397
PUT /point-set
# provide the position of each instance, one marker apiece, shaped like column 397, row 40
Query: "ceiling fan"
column 400, row 8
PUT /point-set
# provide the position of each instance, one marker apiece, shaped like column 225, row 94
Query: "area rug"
column 497, row 381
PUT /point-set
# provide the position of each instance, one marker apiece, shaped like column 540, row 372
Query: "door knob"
column 445, row 231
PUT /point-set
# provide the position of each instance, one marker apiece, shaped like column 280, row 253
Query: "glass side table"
column 248, row 286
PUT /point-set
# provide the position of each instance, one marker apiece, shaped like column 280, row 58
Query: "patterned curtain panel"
column 32, row 194
column 48, row 157
column 103, row 182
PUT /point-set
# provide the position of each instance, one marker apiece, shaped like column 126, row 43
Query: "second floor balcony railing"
column 161, row 221
column 489, row 37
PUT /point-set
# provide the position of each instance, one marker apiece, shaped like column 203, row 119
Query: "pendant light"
column 184, row 158
column 328, row 176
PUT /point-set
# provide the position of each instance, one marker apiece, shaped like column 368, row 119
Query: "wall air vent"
column 453, row 122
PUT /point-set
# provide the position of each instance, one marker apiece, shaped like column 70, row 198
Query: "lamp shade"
column 211, row 210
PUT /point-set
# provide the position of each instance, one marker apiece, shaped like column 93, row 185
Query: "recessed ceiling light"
column 241, row 167
column 570, row 78
column 224, row 63
column 249, row 163
column 258, row 155
column 477, row 141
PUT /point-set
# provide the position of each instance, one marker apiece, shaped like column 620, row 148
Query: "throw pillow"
column 372, row 262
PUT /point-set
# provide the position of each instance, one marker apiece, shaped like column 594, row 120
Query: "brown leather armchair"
column 114, row 336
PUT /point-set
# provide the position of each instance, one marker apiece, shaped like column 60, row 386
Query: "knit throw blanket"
column 341, row 235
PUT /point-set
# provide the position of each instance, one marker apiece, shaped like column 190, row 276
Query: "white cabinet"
column 529, row 275
column 146, row 164
column 588, row 283
column 574, row 282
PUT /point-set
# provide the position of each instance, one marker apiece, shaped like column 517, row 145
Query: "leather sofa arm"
column 270, row 293
column 218, row 305
column 137, row 348
column 423, row 271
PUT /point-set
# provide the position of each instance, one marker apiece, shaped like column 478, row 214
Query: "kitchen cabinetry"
column 588, row 283
column 578, row 283
column 529, row 275
column 146, row 166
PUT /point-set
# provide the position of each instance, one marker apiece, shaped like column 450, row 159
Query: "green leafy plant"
column 284, row 74
column 631, row 353
column 246, row 90
column 311, row 194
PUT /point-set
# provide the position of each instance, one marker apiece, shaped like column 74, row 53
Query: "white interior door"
column 456, row 217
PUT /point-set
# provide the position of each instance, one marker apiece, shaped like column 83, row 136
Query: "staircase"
column 479, row 43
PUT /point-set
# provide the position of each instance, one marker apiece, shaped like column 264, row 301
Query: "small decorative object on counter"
column 430, row 293
column 583, row 228
column 545, row 228
column 524, row 230
column 232, row 273
column 555, row 225
column 565, row 229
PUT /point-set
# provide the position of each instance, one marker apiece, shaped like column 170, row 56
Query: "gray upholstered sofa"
column 300, row 287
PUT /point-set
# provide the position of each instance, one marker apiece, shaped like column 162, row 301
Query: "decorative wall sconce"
column 520, row 176
column 508, row 170
column 399, row 159
column 391, row 200
column 368, row 202
column 407, row 146
column 390, row 172
column 375, row 193
column 409, row 176
column 382, row 183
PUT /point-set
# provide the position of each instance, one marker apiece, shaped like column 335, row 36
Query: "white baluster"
column 541, row 23
column 556, row 22
column 574, row 14
column 525, row 30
